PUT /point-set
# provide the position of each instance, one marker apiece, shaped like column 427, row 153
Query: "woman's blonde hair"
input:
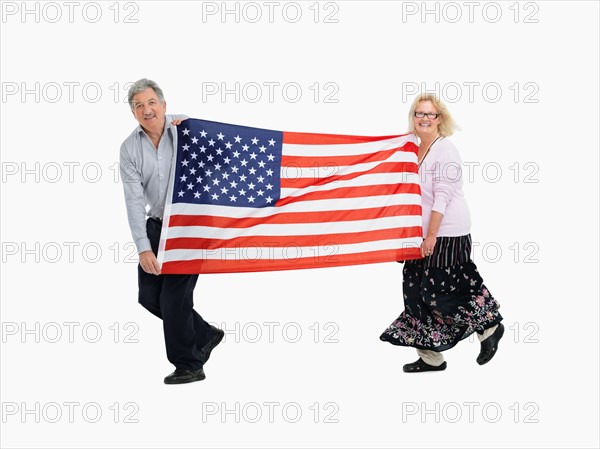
column 447, row 124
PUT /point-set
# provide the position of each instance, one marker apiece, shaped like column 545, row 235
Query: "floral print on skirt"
column 442, row 305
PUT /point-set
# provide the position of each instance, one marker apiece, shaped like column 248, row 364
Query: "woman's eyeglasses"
column 431, row 115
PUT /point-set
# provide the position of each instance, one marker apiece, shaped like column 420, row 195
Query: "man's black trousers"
column 171, row 298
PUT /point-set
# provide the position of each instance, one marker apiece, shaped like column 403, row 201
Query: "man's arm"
column 136, row 211
column 134, row 200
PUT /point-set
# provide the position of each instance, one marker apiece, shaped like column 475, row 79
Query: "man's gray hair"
column 140, row 86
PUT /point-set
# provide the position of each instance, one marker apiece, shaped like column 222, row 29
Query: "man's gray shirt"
column 145, row 172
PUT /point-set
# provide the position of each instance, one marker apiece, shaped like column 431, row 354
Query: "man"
column 146, row 162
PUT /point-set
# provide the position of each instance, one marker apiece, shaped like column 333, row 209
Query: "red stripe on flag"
column 228, row 266
column 329, row 139
column 337, row 161
column 295, row 217
column 287, row 241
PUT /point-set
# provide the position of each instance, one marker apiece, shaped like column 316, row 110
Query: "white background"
column 547, row 365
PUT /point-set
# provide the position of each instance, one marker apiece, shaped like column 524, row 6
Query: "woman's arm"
column 430, row 239
column 447, row 180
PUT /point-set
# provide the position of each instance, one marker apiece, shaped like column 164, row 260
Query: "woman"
column 445, row 299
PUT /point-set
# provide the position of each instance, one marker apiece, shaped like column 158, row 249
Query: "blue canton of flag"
column 227, row 165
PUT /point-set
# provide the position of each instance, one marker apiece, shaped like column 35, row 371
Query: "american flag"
column 248, row 199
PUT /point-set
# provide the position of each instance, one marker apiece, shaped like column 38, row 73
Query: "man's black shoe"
column 420, row 366
column 489, row 346
column 184, row 376
column 215, row 338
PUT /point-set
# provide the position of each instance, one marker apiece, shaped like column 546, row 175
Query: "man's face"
column 149, row 111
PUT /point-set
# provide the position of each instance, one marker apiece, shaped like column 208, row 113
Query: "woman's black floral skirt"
column 442, row 304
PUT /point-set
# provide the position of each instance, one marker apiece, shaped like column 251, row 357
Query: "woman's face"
column 426, row 126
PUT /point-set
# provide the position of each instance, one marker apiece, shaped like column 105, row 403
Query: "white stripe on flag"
column 323, row 172
column 360, row 181
column 297, row 229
